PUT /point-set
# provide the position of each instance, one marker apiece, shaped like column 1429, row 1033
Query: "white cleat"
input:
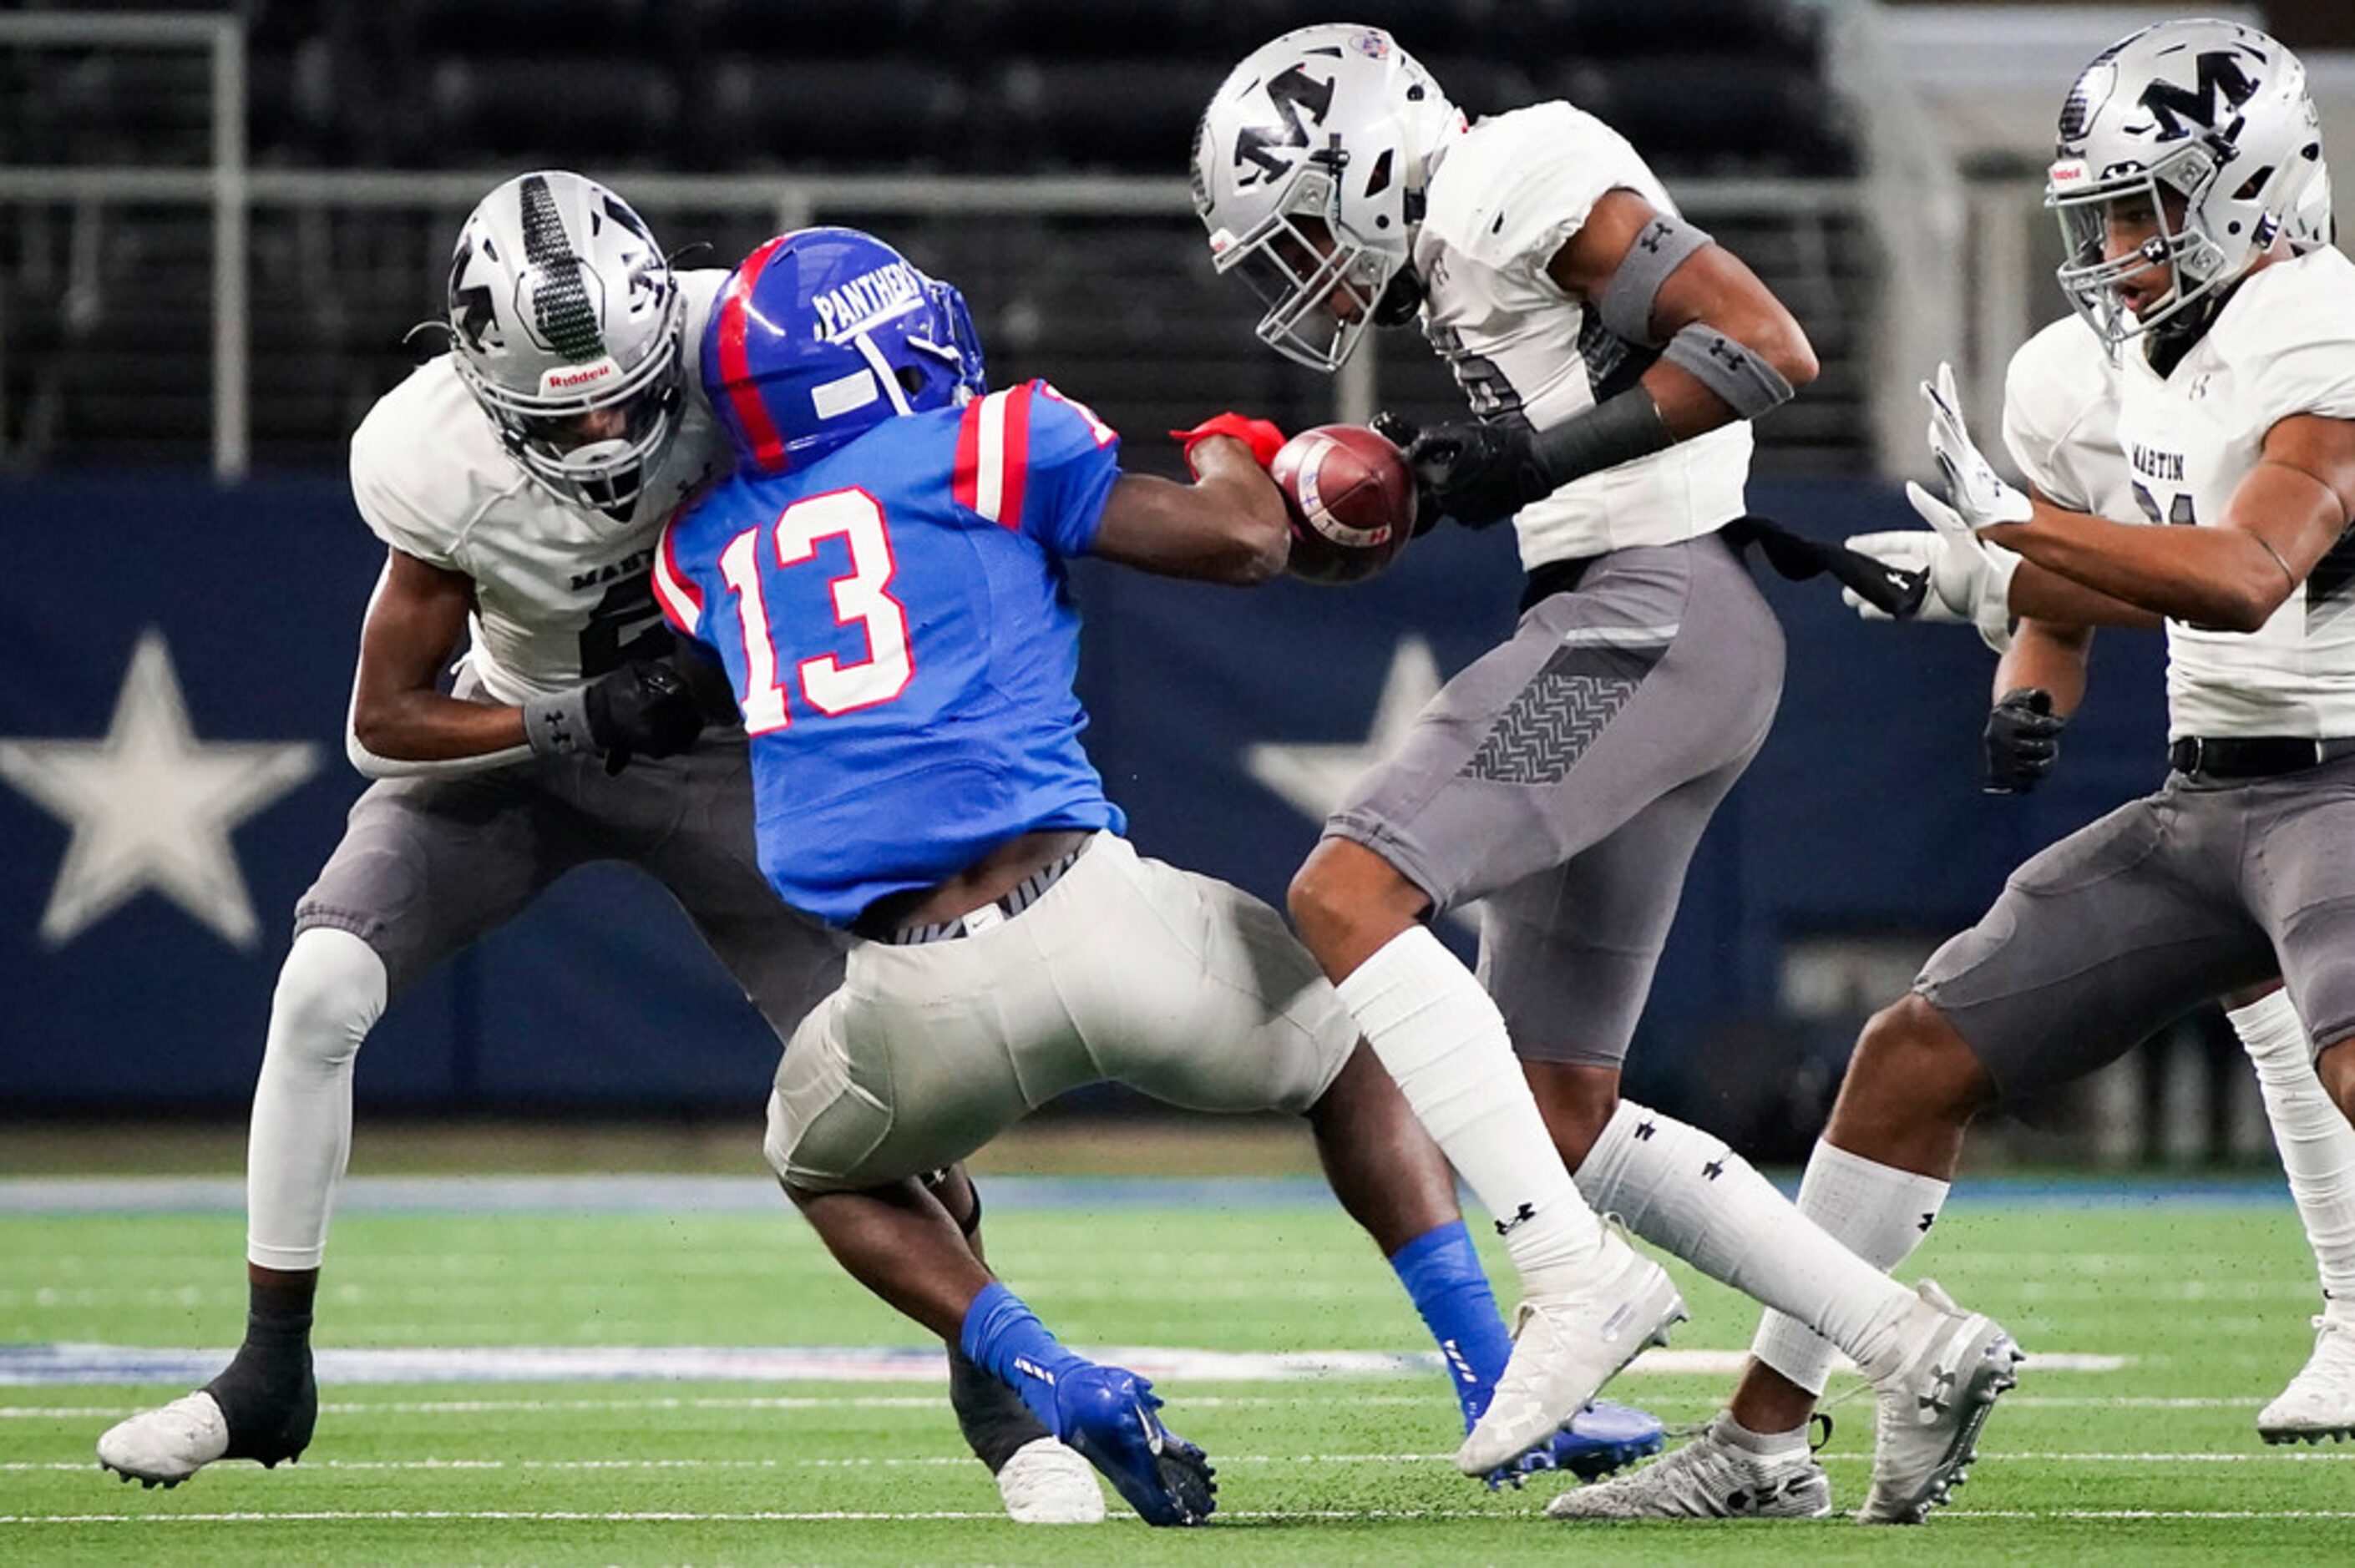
column 1709, row 1477
column 2321, row 1400
column 165, row 1447
column 1566, row 1346
column 1046, row 1483
column 1955, row 1364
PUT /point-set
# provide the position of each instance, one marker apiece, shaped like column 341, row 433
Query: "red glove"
column 1261, row 435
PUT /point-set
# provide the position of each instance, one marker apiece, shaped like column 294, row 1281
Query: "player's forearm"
column 425, row 731
column 2040, row 594
column 2047, row 658
column 2219, row 577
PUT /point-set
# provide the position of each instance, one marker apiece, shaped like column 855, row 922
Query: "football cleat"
column 1566, row 1346
column 163, row 1447
column 1600, row 1439
column 2321, row 1400
column 1047, row 1483
column 1106, row 1414
column 1709, row 1477
column 1953, row 1366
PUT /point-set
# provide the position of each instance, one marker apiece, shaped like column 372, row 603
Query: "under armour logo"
column 1653, row 237
column 1941, row 1395
column 1927, row 1220
column 1743, row 1500
column 1644, row 1131
column 1722, row 350
column 1526, row 1212
column 1713, row 1170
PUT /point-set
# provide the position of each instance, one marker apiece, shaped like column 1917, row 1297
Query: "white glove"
column 1977, row 491
column 1970, row 581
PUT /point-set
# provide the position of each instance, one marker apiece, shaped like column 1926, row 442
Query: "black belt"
column 1008, row 905
column 2253, row 757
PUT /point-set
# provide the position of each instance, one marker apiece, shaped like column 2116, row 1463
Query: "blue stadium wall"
column 1864, row 814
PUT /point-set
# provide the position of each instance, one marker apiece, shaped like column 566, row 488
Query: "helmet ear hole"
column 910, row 379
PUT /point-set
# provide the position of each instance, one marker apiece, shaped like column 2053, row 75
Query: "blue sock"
column 1442, row 1276
column 1004, row 1337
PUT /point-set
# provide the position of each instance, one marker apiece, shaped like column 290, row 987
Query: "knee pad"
column 331, row 990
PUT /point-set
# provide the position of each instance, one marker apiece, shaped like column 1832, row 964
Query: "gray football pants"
column 1563, row 781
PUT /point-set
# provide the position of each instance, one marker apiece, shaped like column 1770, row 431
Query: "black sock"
column 992, row 1417
column 267, row 1393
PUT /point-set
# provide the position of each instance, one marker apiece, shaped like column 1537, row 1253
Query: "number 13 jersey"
column 897, row 626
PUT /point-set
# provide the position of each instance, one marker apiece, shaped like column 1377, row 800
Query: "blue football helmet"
column 823, row 334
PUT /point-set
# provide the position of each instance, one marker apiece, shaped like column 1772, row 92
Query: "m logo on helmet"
column 1292, row 92
column 2216, row 71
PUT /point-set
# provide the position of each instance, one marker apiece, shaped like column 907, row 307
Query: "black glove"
column 2023, row 739
column 1401, row 432
column 641, row 710
column 1479, row 474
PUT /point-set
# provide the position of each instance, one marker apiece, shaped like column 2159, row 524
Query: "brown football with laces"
column 1352, row 501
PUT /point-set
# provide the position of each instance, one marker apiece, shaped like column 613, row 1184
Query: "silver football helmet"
column 1309, row 167
column 568, row 327
column 2310, row 225
column 2213, row 112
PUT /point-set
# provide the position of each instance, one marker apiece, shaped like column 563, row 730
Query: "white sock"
column 2317, row 1145
column 330, row 994
column 1442, row 1039
column 1682, row 1189
column 1879, row 1212
column 1765, row 1445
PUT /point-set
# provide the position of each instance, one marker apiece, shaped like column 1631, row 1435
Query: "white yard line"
column 69, row 1365
column 962, row 1461
column 683, row 1516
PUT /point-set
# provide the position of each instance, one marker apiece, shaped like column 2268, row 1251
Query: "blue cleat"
column 1107, row 1414
column 1601, row 1438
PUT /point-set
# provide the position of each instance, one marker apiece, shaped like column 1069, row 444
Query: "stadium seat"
column 592, row 110
column 1056, row 116
column 884, row 115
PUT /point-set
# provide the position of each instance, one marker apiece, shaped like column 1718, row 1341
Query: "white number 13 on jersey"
column 861, row 598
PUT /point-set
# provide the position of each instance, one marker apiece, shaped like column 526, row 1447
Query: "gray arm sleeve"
column 1749, row 385
column 1618, row 429
column 1626, row 307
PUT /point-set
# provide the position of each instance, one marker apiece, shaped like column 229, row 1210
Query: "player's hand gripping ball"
column 1352, row 501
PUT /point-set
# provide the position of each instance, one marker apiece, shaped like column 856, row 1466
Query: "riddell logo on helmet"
column 587, row 376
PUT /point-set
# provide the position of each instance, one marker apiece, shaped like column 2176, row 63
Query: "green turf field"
column 2156, row 1461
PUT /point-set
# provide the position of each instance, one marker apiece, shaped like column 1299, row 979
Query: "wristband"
column 558, row 726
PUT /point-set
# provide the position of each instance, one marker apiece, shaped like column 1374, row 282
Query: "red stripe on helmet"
column 735, row 373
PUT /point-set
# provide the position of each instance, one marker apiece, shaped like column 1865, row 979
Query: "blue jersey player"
column 884, row 578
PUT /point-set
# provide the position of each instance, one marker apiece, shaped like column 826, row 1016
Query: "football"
column 1352, row 501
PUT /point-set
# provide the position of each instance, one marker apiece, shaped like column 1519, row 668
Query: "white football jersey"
column 1502, row 201
column 561, row 591
column 2282, row 345
column 2061, row 420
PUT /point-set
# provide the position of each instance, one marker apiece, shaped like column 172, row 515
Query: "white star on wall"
column 152, row 806
column 1314, row 778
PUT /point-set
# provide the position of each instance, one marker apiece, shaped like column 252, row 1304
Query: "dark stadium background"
column 1033, row 153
